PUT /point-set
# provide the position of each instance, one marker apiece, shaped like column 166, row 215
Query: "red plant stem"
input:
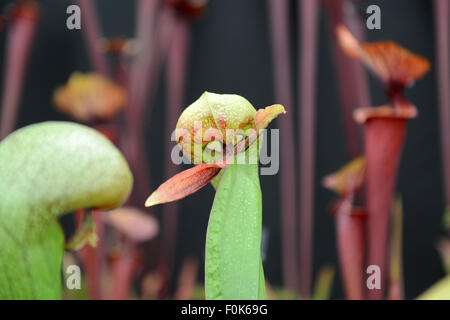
column 441, row 11
column 92, row 35
column 350, row 239
column 187, row 279
column 145, row 70
column 308, row 38
column 281, row 57
column 383, row 143
column 145, row 37
column 92, row 258
column 143, row 80
column 138, row 82
column 20, row 36
column 176, row 75
column 396, row 287
column 352, row 79
column 122, row 270
column 145, row 33
column 145, row 22
column 153, row 45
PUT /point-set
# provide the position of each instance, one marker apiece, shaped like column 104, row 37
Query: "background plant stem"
column 143, row 81
column 20, row 37
column 442, row 25
column 139, row 82
column 351, row 78
column 281, row 56
column 308, row 13
column 396, row 288
column 350, row 243
column 92, row 258
column 176, row 75
column 92, row 34
column 187, row 279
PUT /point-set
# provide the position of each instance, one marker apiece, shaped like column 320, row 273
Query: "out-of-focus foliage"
column 439, row 291
column 47, row 170
column 88, row 97
column 324, row 284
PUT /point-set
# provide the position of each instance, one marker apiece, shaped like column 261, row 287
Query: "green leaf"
column 446, row 219
column 47, row 170
column 262, row 283
column 215, row 182
column 324, row 283
column 439, row 291
column 233, row 268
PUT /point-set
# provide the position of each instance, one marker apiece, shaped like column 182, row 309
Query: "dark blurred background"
column 230, row 53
